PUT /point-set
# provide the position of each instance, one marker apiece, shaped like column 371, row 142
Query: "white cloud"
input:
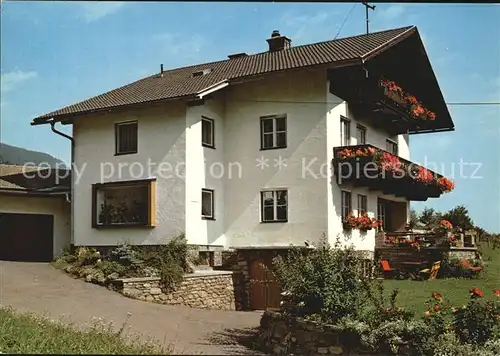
column 392, row 12
column 175, row 44
column 11, row 80
column 93, row 11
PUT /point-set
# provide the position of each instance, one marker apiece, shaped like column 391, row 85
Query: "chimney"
column 278, row 42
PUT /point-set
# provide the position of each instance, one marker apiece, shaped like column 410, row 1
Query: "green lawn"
column 413, row 294
column 28, row 334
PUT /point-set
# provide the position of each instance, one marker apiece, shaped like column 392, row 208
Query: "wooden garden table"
column 413, row 267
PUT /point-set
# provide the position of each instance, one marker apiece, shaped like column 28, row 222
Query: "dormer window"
column 202, row 72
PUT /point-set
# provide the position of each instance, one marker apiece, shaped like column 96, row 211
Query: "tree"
column 414, row 219
column 459, row 217
column 429, row 217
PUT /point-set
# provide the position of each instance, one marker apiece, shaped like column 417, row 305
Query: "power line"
column 345, row 20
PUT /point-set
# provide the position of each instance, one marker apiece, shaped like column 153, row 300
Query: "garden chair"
column 431, row 272
column 387, row 269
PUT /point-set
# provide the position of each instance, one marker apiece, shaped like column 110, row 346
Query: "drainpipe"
column 52, row 127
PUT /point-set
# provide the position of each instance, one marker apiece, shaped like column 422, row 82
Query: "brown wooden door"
column 265, row 292
column 26, row 237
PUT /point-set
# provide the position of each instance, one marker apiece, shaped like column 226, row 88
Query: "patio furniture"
column 412, row 268
column 433, row 271
column 387, row 269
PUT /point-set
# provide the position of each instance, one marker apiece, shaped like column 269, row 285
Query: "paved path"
column 40, row 288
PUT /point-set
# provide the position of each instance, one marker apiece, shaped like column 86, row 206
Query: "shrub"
column 86, row 256
column 126, row 256
column 475, row 323
column 110, row 267
column 170, row 260
column 320, row 283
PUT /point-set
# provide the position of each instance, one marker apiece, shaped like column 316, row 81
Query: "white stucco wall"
column 56, row 206
column 161, row 146
column 205, row 169
column 375, row 137
column 300, row 96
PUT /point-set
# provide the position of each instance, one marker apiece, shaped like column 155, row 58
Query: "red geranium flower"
column 474, row 293
column 445, row 185
column 412, row 99
column 437, row 308
column 437, row 296
column 496, row 292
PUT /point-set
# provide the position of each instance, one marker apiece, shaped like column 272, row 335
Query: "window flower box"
column 406, row 101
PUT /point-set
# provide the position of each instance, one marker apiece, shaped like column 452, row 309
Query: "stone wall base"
column 282, row 336
column 205, row 290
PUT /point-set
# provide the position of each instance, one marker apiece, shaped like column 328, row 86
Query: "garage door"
column 26, row 237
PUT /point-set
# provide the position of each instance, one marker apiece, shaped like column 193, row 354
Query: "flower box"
column 396, row 97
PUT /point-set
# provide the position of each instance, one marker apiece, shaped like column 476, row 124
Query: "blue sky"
column 55, row 54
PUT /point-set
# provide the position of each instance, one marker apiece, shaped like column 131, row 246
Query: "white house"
column 238, row 153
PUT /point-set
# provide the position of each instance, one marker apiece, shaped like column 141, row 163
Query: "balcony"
column 377, row 169
column 393, row 103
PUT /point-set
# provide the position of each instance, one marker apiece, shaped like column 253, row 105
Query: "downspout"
column 68, row 199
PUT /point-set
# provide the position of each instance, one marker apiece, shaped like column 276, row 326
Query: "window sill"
column 208, row 146
column 274, row 221
column 272, row 148
column 123, row 226
column 207, row 218
column 125, row 153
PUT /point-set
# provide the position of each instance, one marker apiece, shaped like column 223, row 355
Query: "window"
column 273, row 132
column 207, row 204
column 381, row 213
column 391, row 147
column 345, row 132
column 362, row 204
column 361, row 134
column 207, row 132
column 125, row 138
column 274, row 205
column 345, row 204
column 131, row 203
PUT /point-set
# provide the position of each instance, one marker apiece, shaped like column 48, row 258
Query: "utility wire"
column 345, row 20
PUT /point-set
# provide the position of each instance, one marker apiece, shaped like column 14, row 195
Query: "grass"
column 30, row 334
column 413, row 294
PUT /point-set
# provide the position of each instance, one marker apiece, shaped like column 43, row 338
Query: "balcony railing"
column 377, row 169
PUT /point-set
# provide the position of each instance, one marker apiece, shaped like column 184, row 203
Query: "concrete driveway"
column 40, row 288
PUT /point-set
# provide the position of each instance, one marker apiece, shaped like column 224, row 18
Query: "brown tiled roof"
column 17, row 177
column 180, row 82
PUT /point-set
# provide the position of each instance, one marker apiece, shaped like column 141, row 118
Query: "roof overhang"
column 406, row 61
column 212, row 89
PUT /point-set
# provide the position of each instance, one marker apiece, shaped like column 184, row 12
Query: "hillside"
column 17, row 155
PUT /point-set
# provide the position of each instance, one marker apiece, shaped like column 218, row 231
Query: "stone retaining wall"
column 206, row 290
column 281, row 336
